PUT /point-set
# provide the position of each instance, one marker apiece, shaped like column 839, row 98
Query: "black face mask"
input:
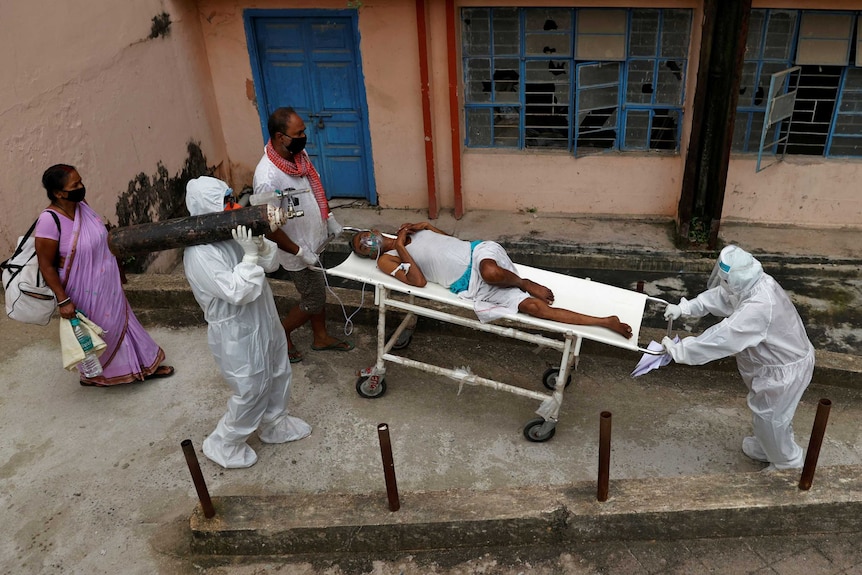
column 76, row 195
column 297, row 144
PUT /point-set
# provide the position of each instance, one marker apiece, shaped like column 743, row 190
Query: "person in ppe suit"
column 244, row 334
column 773, row 353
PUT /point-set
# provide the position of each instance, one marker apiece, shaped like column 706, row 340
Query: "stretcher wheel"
column 550, row 378
column 370, row 386
column 538, row 430
column 403, row 340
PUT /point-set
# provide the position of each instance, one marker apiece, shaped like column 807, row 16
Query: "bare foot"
column 624, row 329
column 538, row 291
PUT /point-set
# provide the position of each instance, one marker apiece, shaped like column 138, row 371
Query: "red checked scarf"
column 299, row 167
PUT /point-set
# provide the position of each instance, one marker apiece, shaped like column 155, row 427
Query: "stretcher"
column 438, row 303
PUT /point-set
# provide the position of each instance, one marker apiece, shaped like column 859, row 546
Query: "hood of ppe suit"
column 205, row 195
column 738, row 268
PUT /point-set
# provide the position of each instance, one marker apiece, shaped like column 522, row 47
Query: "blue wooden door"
column 309, row 60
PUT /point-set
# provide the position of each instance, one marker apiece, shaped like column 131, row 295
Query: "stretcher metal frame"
column 569, row 293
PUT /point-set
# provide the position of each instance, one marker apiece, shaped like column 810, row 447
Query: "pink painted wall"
column 390, row 64
column 105, row 97
column 83, row 84
column 630, row 184
column 602, row 184
column 800, row 190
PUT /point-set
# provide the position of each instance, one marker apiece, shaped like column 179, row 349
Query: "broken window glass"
column 479, row 127
column 643, row 39
column 637, row 129
column 546, row 105
column 676, row 29
column 477, row 80
column 670, row 82
column 640, row 87
column 520, row 84
column 506, row 126
column 476, row 31
column 779, row 35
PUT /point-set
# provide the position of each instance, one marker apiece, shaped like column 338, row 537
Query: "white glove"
column 667, row 343
column 264, row 248
column 308, row 258
column 242, row 235
column 672, row 311
column 332, row 225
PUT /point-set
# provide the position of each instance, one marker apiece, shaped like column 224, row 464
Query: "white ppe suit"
column 773, row 353
column 244, row 335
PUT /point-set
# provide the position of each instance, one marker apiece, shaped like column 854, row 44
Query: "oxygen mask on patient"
column 373, row 242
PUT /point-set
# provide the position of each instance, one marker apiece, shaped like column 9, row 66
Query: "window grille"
column 826, row 118
column 583, row 80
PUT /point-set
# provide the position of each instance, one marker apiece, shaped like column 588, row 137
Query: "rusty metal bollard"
column 604, row 455
column 817, row 433
column 388, row 466
column 198, row 478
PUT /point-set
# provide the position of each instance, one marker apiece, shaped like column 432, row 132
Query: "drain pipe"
column 198, row 478
column 817, row 433
column 422, row 33
column 454, row 109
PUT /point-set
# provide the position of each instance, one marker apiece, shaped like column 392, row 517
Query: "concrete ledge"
column 727, row 505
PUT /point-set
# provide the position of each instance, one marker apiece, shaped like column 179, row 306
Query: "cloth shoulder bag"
column 28, row 298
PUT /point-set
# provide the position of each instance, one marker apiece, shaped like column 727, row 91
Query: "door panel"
column 310, row 63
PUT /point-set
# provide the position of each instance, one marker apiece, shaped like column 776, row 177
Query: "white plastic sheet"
column 650, row 362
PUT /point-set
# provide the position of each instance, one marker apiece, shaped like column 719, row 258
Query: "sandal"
column 161, row 371
column 341, row 345
column 294, row 355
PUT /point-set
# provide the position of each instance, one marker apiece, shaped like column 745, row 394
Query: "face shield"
column 736, row 271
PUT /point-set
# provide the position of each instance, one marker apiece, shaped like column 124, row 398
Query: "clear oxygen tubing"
column 348, row 319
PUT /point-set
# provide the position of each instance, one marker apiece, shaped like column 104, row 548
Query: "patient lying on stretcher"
column 477, row 271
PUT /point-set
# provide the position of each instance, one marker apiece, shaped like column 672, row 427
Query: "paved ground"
column 94, row 481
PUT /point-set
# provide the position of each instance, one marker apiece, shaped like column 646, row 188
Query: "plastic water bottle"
column 90, row 364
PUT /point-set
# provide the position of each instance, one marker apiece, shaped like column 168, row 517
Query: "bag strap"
column 26, row 236
column 59, row 231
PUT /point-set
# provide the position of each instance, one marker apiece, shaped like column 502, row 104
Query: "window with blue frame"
column 577, row 79
column 827, row 114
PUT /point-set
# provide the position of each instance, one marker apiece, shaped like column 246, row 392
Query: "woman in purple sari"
column 78, row 266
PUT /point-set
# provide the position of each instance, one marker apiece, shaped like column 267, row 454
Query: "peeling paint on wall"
column 161, row 25
column 249, row 92
column 160, row 197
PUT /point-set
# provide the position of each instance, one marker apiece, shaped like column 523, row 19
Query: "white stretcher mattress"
column 577, row 294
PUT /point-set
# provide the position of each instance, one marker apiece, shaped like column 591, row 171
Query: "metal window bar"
column 657, row 60
column 850, row 113
column 753, row 110
column 779, row 107
column 598, row 131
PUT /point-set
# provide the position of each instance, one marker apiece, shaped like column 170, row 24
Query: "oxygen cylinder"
column 193, row 230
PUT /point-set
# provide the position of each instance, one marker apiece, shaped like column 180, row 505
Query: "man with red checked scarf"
column 285, row 167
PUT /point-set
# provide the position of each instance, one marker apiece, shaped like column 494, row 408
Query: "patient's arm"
column 388, row 264
column 418, row 227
